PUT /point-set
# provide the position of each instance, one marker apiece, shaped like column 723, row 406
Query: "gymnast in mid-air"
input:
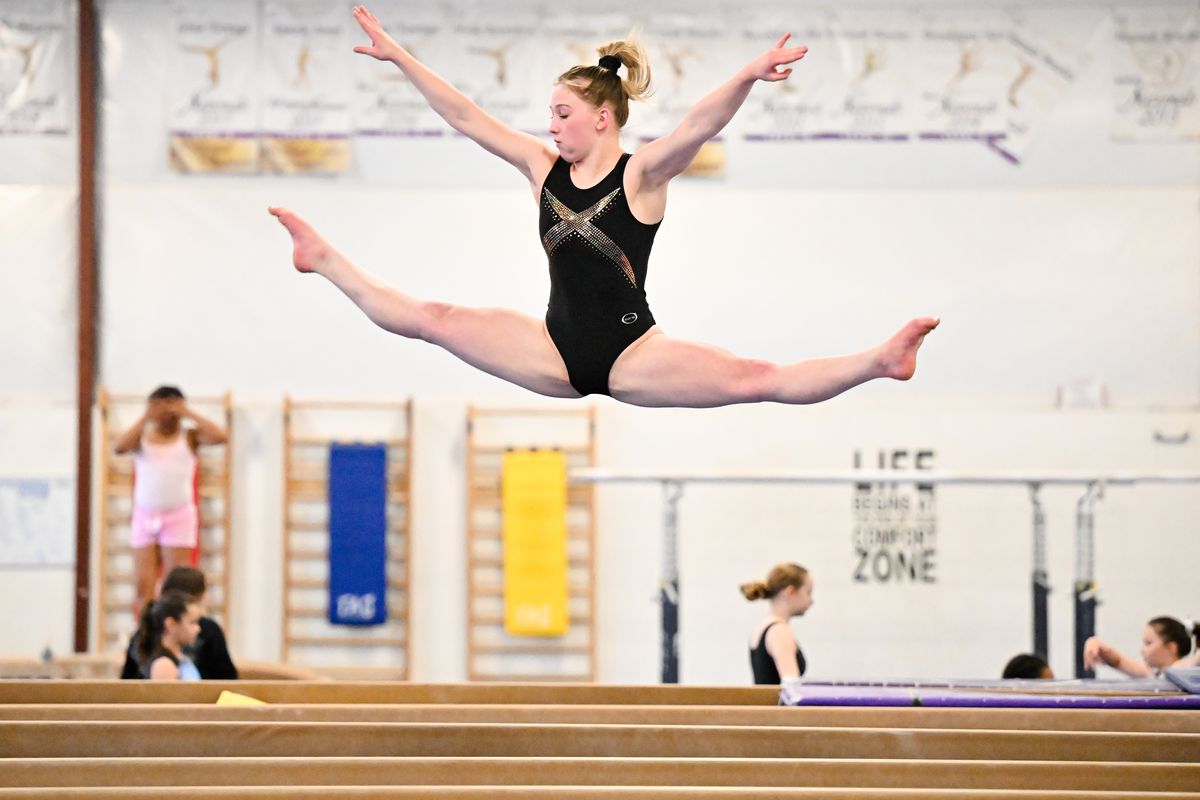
column 599, row 210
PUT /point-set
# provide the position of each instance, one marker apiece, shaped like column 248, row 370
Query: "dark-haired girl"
column 168, row 624
column 1166, row 642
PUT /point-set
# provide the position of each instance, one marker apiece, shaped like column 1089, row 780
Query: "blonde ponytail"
column 601, row 84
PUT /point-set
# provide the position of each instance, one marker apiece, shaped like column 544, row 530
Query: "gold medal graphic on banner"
column 709, row 162
column 305, row 156
column 214, row 154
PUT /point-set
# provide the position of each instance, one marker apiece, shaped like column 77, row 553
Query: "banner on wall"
column 894, row 534
column 964, row 76
column 33, row 68
column 989, row 76
column 492, row 62
column 856, row 83
column 293, row 103
column 877, row 100
column 567, row 39
column 212, row 93
column 305, row 76
column 1048, row 50
column 686, row 52
column 804, row 105
column 385, row 101
column 1156, row 74
column 534, row 502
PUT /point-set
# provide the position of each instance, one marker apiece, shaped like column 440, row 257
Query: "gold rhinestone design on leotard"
column 580, row 223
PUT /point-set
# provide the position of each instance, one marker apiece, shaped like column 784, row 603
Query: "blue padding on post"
column 357, row 534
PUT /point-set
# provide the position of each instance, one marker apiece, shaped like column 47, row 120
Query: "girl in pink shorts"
column 165, row 525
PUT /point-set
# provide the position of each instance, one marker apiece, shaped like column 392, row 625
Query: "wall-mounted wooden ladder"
column 493, row 654
column 310, row 427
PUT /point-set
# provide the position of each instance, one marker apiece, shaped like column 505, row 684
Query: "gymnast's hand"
column 766, row 67
column 383, row 46
column 1096, row 651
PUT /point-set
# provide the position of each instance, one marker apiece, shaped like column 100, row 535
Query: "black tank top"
column 598, row 254
column 763, row 666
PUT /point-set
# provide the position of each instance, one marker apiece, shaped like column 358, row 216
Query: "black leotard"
column 598, row 252
column 763, row 666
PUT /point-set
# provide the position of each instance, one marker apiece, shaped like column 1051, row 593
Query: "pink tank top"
column 164, row 473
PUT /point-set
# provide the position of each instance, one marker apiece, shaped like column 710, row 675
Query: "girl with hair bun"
column 1166, row 642
column 600, row 209
column 774, row 655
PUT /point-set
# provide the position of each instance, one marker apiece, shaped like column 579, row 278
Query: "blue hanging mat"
column 357, row 534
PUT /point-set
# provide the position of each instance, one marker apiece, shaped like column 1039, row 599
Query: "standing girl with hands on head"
column 165, row 525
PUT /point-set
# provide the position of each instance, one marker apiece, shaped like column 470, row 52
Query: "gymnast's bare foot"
column 897, row 357
column 310, row 253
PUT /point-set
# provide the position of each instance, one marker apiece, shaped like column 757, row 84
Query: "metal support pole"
column 1041, row 584
column 669, row 585
column 88, row 311
column 1085, row 574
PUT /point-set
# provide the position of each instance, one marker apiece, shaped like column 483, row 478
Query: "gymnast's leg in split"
column 661, row 371
column 654, row 371
column 504, row 343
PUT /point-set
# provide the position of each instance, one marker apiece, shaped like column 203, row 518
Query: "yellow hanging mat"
column 534, row 496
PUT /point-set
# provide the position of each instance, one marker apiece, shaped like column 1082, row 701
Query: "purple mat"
column 914, row 696
column 1090, row 686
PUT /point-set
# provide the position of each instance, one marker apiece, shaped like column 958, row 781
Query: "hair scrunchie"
column 610, row 63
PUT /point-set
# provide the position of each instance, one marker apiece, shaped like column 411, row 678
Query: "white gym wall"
column 1078, row 267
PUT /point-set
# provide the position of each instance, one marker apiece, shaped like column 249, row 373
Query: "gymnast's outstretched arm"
column 664, row 158
column 531, row 156
column 1095, row 651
